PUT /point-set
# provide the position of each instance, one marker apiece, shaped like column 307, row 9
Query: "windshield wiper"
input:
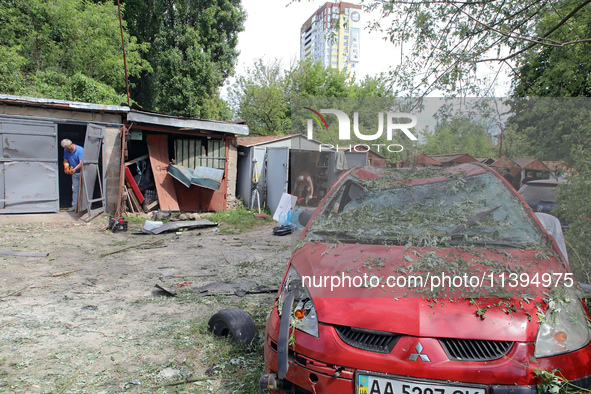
column 347, row 238
column 487, row 243
column 473, row 220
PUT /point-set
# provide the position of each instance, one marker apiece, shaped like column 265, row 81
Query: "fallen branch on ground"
column 15, row 293
column 179, row 382
column 66, row 272
column 130, row 247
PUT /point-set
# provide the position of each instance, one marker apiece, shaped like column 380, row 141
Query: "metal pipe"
column 124, row 57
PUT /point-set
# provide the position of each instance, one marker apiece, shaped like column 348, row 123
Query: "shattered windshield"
column 475, row 209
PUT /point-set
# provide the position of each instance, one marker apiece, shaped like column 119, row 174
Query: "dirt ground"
column 104, row 327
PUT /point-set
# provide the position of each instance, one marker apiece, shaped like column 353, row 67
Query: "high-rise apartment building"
column 331, row 36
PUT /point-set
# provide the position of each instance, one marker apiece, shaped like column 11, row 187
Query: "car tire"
column 236, row 323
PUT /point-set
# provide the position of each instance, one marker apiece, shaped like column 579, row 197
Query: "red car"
column 426, row 281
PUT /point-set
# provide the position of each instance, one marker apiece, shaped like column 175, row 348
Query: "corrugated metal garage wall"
column 28, row 166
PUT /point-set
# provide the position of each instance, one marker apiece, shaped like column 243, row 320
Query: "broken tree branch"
column 66, row 272
column 130, row 247
column 15, row 293
column 179, row 382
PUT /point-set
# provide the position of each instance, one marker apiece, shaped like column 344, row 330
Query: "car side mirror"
column 305, row 216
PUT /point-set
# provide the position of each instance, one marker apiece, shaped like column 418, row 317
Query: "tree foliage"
column 179, row 52
column 558, row 71
column 261, row 98
column 264, row 96
column 447, row 42
column 460, row 135
column 65, row 49
column 192, row 50
column 549, row 127
column 574, row 204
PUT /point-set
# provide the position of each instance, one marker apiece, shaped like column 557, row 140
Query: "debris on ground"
column 23, row 254
column 131, row 247
column 66, row 272
column 238, row 289
column 284, row 229
column 166, row 291
column 174, row 226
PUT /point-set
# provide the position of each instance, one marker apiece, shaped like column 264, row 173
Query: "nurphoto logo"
column 392, row 126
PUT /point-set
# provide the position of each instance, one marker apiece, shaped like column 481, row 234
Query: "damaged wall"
column 71, row 120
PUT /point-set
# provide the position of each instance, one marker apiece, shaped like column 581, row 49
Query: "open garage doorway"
column 92, row 183
column 75, row 133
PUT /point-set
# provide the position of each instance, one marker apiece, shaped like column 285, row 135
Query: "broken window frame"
column 200, row 152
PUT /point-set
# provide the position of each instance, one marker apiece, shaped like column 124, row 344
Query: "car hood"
column 428, row 312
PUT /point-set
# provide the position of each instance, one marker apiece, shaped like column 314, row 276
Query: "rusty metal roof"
column 485, row 160
column 531, row 164
column 60, row 104
column 454, row 158
column 420, row 159
column 186, row 124
column 262, row 139
column 504, row 162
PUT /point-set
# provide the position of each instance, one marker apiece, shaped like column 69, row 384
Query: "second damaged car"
column 426, row 281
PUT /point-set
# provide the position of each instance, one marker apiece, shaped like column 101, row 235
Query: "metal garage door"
column 276, row 175
column 28, row 167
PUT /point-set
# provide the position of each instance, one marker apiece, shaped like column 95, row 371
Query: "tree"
column 573, row 202
column 261, row 98
column 460, row 135
column 558, row 71
column 551, row 126
column 265, row 95
column 65, row 49
column 192, row 51
column 449, row 40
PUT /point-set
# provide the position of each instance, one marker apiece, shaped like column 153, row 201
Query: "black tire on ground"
column 233, row 322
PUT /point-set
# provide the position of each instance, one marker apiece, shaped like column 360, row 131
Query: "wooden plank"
column 185, row 153
column 133, row 161
column 129, row 205
column 133, row 185
column 159, row 160
column 191, row 155
column 134, row 201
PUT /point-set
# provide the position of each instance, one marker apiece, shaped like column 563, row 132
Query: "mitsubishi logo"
column 415, row 356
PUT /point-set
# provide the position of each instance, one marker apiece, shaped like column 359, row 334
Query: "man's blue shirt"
column 75, row 157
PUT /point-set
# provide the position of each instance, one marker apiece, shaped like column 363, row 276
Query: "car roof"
column 546, row 182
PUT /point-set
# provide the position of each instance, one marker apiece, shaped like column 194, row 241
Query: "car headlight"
column 565, row 328
column 303, row 312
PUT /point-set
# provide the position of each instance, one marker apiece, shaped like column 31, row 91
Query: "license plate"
column 374, row 384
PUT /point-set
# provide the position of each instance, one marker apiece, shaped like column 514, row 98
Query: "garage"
column 32, row 179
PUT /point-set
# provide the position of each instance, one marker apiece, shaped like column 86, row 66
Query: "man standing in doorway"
column 304, row 187
column 72, row 165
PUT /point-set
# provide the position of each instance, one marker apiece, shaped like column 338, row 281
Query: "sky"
column 272, row 31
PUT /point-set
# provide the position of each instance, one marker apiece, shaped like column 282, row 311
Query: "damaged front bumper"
column 327, row 365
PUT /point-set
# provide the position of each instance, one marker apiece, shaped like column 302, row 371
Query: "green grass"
column 133, row 219
column 239, row 369
column 231, row 221
column 239, row 219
